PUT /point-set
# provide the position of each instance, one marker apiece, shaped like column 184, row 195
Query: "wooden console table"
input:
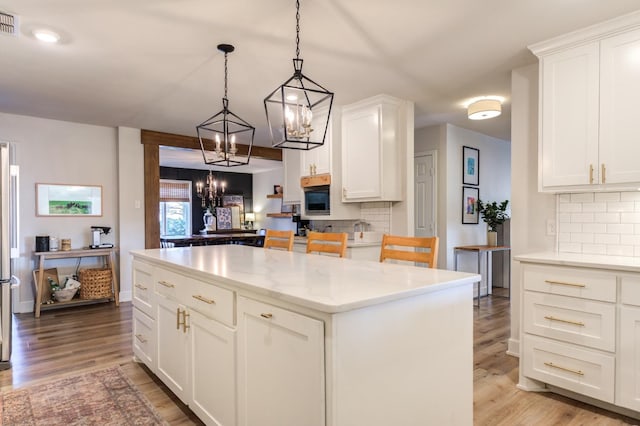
column 107, row 253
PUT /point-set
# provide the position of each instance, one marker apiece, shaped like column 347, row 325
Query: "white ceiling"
column 153, row 64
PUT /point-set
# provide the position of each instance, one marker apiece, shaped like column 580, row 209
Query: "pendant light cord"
column 225, row 75
column 297, row 29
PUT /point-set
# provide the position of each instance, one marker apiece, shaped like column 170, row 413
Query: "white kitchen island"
column 249, row 336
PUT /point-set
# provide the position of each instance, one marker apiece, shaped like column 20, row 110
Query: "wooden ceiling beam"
column 150, row 137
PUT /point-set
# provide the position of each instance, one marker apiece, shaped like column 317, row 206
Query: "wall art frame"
column 470, row 196
column 54, row 199
column 470, row 166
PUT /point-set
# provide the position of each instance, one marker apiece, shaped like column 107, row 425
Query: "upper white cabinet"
column 374, row 138
column 318, row 160
column 291, row 191
column 589, row 84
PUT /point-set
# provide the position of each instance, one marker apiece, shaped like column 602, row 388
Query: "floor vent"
column 8, row 24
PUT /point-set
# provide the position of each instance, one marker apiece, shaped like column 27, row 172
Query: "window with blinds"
column 175, row 207
column 175, row 191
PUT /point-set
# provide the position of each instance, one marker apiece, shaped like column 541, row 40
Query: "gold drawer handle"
column 581, row 324
column 185, row 326
column 267, row 316
column 166, row 284
column 590, row 173
column 552, row 365
column 203, row 299
column 565, row 283
column 604, row 174
column 141, row 287
column 141, row 338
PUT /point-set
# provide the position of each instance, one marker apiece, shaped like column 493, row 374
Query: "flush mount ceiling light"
column 223, row 135
column 46, row 36
column 298, row 111
column 484, row 108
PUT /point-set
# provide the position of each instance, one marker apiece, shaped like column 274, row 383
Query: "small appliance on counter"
column 301, row 225
column 96, row 232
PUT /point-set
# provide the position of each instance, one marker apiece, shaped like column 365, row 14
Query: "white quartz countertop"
column 323, row 283
column 620, row 263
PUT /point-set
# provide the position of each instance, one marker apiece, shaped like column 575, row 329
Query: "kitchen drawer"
column 630, row 289
column 212, row 301
column 170, row 284
column 570, row 367
column 575, row 282
column 143, row 293
column 580, row 321
column 144, row 342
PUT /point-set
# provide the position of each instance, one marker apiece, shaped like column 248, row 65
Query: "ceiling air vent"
column 8, row 24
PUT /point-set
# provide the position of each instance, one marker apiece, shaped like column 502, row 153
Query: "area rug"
column 104, row 397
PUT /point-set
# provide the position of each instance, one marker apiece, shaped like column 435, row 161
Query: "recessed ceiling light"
column 46, row 36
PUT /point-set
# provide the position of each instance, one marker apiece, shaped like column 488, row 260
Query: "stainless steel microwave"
column 317, row 200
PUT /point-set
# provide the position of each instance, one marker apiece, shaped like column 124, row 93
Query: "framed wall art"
column 68, row 200
column 470, row 197
column 470, row 166
column 223, row 216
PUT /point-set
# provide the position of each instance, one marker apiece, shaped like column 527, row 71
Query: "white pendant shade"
column 484, row 108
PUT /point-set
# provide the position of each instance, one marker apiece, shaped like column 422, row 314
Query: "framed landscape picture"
column 68, row 200
column 470, row 166
column 470, row 197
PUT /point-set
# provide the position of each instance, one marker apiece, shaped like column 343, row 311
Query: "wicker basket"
column 95, row 283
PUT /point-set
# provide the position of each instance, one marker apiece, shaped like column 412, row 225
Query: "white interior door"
column 425, row 194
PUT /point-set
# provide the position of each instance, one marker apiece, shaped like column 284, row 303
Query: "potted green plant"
column 493, row 214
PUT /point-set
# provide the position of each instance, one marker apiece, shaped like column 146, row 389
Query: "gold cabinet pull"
column 177, row 318
column 267, row 316
column 166, row 284
column 203, row 299
column 565, row 283
column 141, row 287
column 570, row 370
column 550, row 318
column 141, row 338
column 604, row 173
column 590, row 174
column 185, row 326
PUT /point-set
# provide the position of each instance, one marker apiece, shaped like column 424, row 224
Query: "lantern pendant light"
column 225, row 138
column 298, row 111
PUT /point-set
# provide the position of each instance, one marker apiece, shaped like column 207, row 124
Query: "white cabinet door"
column 569, row 117
column 628, row 372
column 619, row 95
column 291, row 192
column 213, row 379
column 173, row 347
column 280, row 367
column 361, row 156
column 318, row 160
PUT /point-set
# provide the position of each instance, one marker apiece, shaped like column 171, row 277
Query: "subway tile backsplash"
column 376, row 214
column 599, row 223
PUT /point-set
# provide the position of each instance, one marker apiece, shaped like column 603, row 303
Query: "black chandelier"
column 298, row 111
column 225, row 138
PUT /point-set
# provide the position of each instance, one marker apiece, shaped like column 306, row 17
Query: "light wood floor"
column 91, row 337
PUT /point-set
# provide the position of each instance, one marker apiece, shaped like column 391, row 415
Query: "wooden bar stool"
column 327, row 242
column 278, row 239
column 408, row 251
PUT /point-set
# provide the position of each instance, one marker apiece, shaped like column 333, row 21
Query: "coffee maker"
column 96, row 232
column 301, row 225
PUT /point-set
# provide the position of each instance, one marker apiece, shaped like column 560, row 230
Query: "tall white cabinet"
column 589, row 88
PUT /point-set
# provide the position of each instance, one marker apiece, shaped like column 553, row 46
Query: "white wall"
column 51, row 151
column 262, row 186
column 530, row 209
column 131, row 202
